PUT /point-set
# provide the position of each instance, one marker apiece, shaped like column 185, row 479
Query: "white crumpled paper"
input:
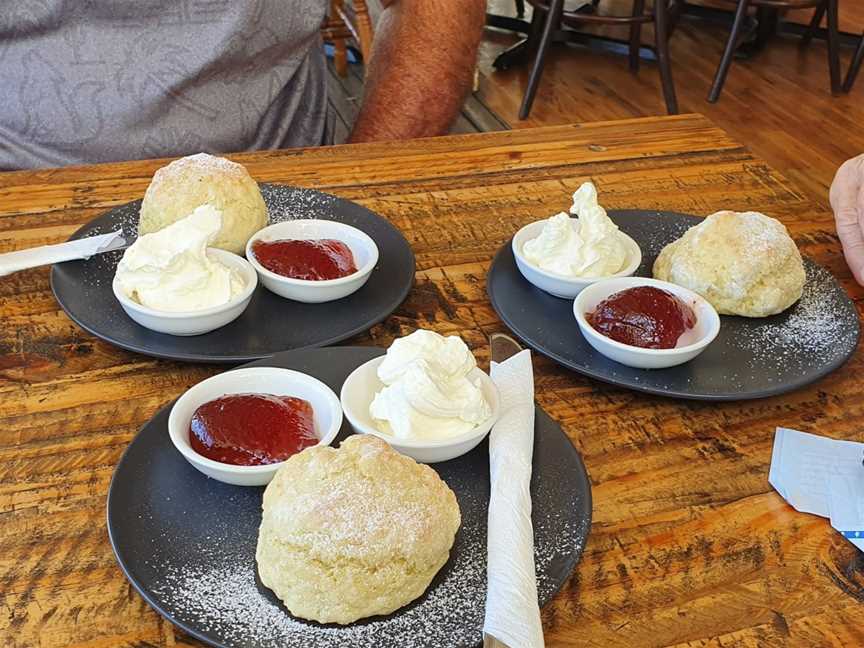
column 48, row 254
column 512, row 610
column 822, row 476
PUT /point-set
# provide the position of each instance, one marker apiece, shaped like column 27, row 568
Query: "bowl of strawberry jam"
column 311, row 260
column 240, row 426
column 645, row 323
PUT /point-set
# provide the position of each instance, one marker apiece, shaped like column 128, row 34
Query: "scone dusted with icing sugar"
column 180, row 187
column 743, row 263
column 354, row 532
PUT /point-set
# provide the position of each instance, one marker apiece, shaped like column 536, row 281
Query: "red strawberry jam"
column 252, row 429
column 644, row 316
column 315, row 259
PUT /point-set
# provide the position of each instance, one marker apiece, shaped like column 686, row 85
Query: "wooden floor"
column 778, row 104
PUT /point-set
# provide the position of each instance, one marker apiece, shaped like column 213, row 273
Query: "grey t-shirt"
column 85, row 81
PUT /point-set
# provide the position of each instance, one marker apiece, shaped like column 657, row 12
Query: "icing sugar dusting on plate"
column 652, row 245
column 228, row 601
column 815, row 328
column 225, row 599
column 286, row 203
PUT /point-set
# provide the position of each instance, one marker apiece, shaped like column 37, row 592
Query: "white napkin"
column 821, row 476
column 512, row 611
column 48, row 254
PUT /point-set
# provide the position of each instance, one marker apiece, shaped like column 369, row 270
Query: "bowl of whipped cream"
column 562, row 255
column 172, row 282
column 426, row 397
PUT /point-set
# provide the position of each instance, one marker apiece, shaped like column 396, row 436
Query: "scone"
column 353, row 532
column 743, row 263
column 177, row 189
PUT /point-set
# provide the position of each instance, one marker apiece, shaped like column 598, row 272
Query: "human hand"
column 847, row 200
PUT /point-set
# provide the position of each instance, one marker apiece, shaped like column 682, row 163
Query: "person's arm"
column 847, row 200
column 421, row 68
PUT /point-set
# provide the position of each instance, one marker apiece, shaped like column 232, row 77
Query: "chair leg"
column 553, row 19
column 767, row 23
column 365, row 31
column 818, row 15
column 340, row 47
column 731, row 46
column 636, row 35
column 834, row 47
column 661, row 31
column 855, row 67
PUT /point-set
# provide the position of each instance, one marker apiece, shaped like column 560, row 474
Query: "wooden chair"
column 855, row 67
column 344, row 22
column 857, row 58
column 555, row 16
column 821, row 6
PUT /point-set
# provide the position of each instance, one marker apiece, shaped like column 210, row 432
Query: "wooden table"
column 690, row 546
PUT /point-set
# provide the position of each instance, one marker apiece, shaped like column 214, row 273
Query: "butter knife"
column 502, row 347
column 69, row 251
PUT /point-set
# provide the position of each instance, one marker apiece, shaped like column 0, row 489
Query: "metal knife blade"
column 59, row 252
column 502, row 347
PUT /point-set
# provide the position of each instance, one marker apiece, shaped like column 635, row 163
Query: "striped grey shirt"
column 84, row 81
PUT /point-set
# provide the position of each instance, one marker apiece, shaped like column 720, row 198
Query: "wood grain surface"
column 689, row 547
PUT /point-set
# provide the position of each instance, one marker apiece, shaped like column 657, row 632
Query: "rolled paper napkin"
column 48, row 254
column 512, row 610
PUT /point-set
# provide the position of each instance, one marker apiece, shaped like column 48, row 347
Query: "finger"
column 847, row 201
column 856, row 246
column 847, row 183
column 853, row 249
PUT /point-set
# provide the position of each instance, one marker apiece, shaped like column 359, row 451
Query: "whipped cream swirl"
column 428, row 394
column 170, row 270
column 590, row 246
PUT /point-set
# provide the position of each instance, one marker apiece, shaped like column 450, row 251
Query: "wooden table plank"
column 689, row 547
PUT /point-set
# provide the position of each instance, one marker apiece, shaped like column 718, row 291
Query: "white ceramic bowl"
column 691, row 343
column 303, row 290
column 360, row 388
column 187, row 323
column 561, row 285
column 327, row 415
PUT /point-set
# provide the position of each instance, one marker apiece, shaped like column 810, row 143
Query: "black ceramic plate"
column 187, row 542
column 751, row 358
column 270, row 323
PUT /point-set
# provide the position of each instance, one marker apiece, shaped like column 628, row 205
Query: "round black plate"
column 751, row 358
column 187, row 542
column 270, row 323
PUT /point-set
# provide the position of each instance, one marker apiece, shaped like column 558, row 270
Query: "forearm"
column 421, row 68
